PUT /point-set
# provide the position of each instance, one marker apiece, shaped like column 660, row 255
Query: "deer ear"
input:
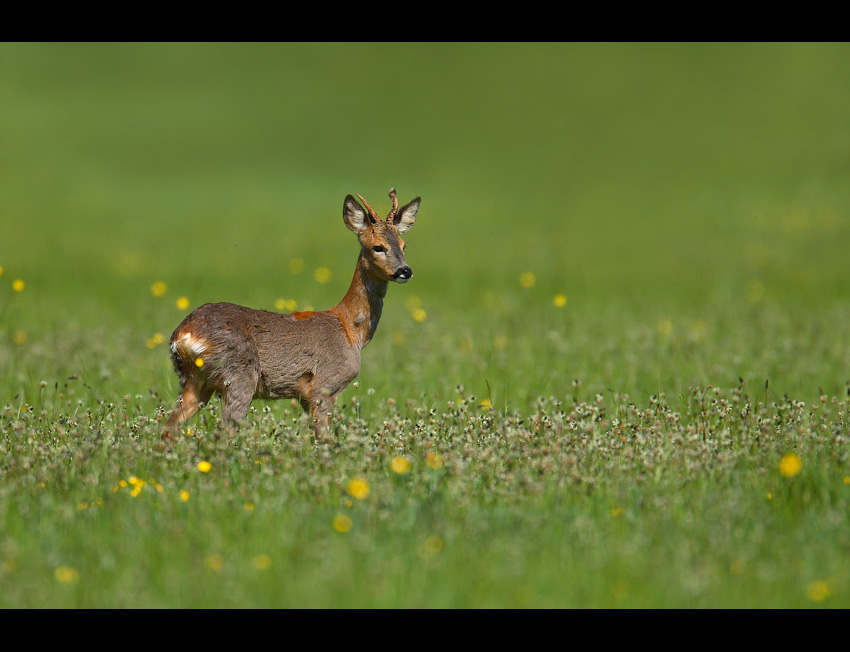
column 405, row 218
column 354, row 216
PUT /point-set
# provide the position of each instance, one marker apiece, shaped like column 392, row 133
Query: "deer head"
column 380, row 244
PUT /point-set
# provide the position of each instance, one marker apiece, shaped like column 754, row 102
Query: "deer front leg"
column 319, row 410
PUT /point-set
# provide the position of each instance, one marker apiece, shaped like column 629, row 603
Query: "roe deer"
column 244, row 354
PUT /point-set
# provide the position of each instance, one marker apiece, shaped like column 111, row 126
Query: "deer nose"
column 403, row 274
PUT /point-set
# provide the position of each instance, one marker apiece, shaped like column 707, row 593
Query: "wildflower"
column 527, row 279
column 158, row 289
column 620, row 589
column 248, row 507
column 400, row 465
column 818, row 591
column 1, row 270
column 287, row 305
column 485, row 404
column 261, row 562
column 560, row 300
column 214, row 562
column 322, row 274
column 199, row 362
column 204, row 466
column 432, row 546
column 412, row 302
column 790, row 465
column 184, row 496
column 19, row 338
column 341, row 523
column 66, row 574
column 155, row 340
column 419, row 315
column 847, row 479
column 434, row 460
column 358, row 488
column 18, row 285
column 183, row 303
column 296, row 265
column 616, row 511
column 665, row 327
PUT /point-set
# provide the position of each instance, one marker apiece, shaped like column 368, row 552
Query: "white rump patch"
column 189, row 344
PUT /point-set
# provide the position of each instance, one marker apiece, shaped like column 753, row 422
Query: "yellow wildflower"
column 199, row 362
column 400, row 465
column 527, row 279
column 214, row 562
column 790, row 465
column 204, row 466
column 159, row 288
column 431, row 546
column 287, row 305
column 358, row 488
column 665, row 327
column 322, row 274
column 183, row 303
column 419, row 315
column 66, row 574
column 155, row 340
column 19, row 338
column 434, row 460
column 18, row 285
column 818, row 591
column 261, row 562
column 560, row 300
column 184, row 496
column 341, row 523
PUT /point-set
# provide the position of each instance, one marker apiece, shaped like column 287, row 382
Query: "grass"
column 621, row 446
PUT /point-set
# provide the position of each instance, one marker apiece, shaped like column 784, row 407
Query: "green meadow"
column 619, row 377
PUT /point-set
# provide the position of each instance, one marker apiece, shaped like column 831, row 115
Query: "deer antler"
column 393, row 212
column 372, row 213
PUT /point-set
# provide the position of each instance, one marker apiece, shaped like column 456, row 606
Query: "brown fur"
column 243, row 353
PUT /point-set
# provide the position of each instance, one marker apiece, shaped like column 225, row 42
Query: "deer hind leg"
column 190, row 402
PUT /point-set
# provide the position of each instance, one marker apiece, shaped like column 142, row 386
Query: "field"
column 619, row 377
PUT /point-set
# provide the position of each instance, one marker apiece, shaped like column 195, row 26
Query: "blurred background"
column 668, row 182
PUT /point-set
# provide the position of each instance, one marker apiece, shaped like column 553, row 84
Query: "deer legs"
column 188, row 405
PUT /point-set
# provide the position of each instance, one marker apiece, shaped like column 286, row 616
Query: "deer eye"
column 378, row 249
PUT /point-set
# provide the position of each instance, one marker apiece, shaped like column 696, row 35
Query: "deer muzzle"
column 402, row 274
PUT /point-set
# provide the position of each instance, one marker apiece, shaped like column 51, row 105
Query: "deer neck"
column 360, row 308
